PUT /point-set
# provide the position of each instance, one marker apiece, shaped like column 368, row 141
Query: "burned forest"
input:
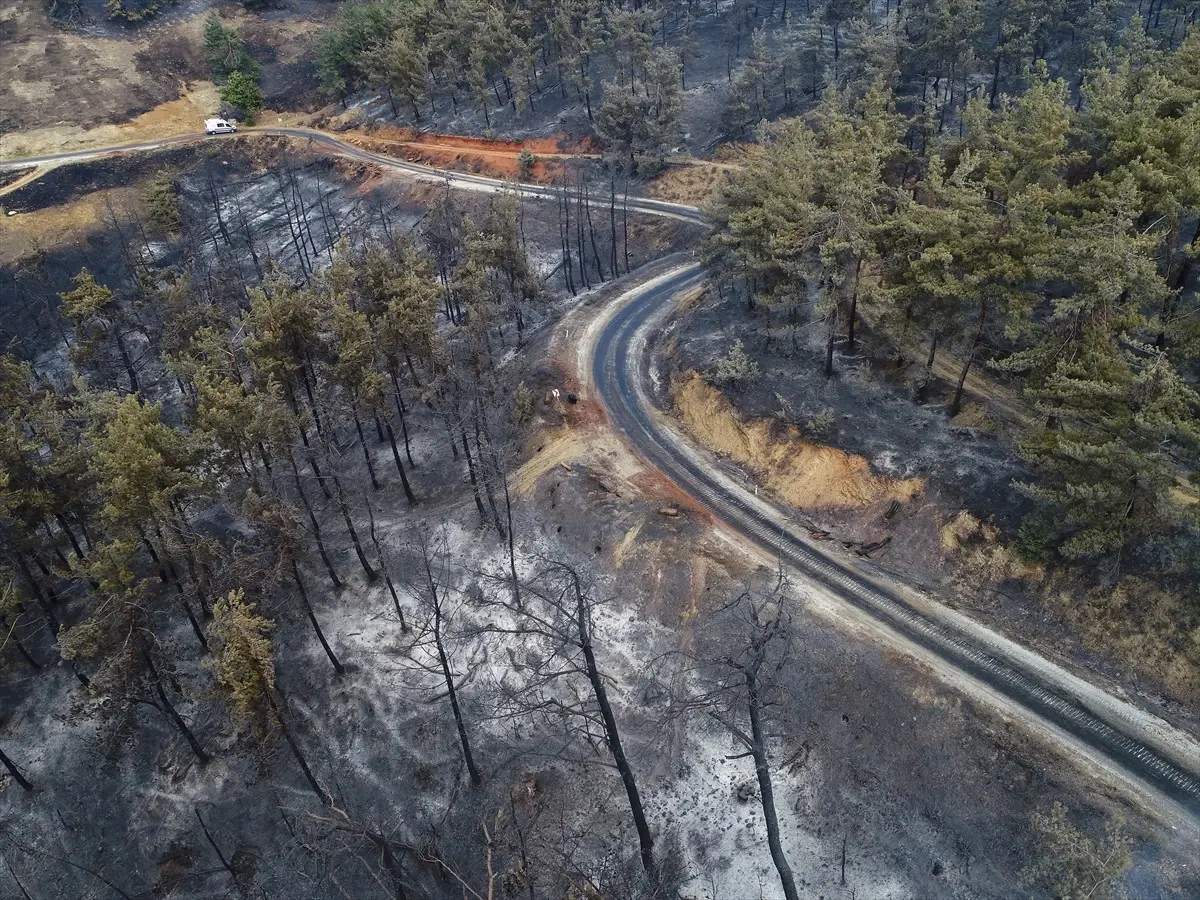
column 600, row 450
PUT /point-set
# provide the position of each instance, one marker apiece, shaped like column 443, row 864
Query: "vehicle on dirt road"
column 219, row 126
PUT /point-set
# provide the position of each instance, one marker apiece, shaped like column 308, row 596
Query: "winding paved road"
column 1137, row 742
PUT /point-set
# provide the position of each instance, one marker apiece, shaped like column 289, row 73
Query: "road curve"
column 327, row 142
column 620, row 374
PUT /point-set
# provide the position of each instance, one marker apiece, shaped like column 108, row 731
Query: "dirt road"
column 330, row 143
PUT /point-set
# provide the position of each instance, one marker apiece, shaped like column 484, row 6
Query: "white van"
column 219, row 126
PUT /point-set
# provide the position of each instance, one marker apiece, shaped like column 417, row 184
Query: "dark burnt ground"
column 870, row 413
column 67, row 183
column 8, row 177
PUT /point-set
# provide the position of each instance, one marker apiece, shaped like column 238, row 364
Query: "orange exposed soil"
column 495, row 158
column 805, row 474
column 551, row 146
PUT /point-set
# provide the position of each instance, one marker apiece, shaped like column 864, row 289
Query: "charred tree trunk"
column 127, row 362
column 448, row 675
column 927, row 380
column 15, row 772
column 321, row 793
column 312, row 521
column 486, row 477
column 474, row 481
column 75, row 548
column 956, row 403
column 853, row 307
column 383, row 567
column 758, row 748
column 312, row 618
column 212, row 843
column 612, row 223
column 583, row 276
column 613, row 736
column 171, row 713
column 564, row 237
column 587, row 209
column 21, row 648
column 400, row 411
column 391, row 436
column 625, row 223
column 345, row 510
column 362, row 440
column 512, row 552
column 833, row 321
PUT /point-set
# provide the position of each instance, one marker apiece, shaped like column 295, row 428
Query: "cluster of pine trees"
column 233, row 68
column 472, row 53
column 935, row 55
column 778, row 55
column 1056, row 238
column 206, row 437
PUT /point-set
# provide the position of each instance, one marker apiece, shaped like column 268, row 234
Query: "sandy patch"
column 621, row 551
column 803, row 473
column 592, row 446
column 560, row 450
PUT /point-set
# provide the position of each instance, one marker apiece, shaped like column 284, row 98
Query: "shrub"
column 525, row 163
column 242, row 93
column 164, row 208
column 1072, row 866
column 736, row 367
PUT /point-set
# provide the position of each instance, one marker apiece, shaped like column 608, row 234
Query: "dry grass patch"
column 56, row 226
column 975, row 415
column 982, row 558
column 1144, row 626
column 692, row 184
column 800, row 471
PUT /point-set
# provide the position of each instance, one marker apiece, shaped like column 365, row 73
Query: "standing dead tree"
column 564, row 684
column 430, row 582
column 749, row 640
